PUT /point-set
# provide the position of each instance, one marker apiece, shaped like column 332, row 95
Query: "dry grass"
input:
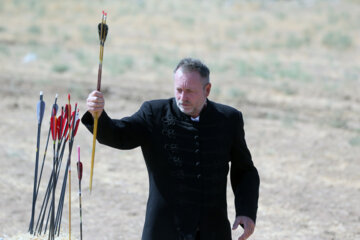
column 45, row 237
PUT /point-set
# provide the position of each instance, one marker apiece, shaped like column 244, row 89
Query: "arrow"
column 80, row 171
column 55, row 106
column 40, row 109
column 74, row 123
column 103, row 30
column 60, row 132
column 58, row 160
column 54, row 133
column 71, row 126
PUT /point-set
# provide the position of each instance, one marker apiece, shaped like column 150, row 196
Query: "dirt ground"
column 291, row 67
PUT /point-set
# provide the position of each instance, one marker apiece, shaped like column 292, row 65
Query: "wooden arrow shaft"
column 93, row 149
column 102, row 36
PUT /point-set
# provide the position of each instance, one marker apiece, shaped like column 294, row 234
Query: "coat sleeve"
column 126, row 133
column 244, row 176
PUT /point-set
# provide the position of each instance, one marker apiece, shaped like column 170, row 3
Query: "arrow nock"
column 103, row 28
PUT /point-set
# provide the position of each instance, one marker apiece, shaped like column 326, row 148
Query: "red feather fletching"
column 59, row 127
column 53, row 127
column 79, row 169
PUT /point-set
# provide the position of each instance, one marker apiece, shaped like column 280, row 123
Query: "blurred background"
column 291, row 67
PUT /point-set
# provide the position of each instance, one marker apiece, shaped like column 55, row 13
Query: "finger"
column 99, row 94
column 248, row 230
column 244, row 236
column 95, row 100
column 236, row 223
column 96, row 93
column 95, row 107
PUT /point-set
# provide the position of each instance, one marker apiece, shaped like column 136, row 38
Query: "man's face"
column 190, row 92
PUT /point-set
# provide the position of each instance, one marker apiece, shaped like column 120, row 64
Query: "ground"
column 291, row 67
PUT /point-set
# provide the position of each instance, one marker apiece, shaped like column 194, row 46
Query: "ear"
column 207, row 89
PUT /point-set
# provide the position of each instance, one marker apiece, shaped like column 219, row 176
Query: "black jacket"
column 187, row 163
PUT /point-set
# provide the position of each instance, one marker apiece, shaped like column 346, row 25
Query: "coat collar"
column 183, row 117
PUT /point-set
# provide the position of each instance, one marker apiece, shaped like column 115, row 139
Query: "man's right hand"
column 95, row 103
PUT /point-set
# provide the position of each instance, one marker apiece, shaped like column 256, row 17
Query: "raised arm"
column 125, row 133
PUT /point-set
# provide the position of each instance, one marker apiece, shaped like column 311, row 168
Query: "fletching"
column 53, row 126
column 73, row 121
column 62, row 123
column 77, row 121
column 55, row 106
column 69, row 126
column 69, row 116
column 59, row 127
column 40, row 109
column 79, row 169
column 66, row 129
column 66, row 111
column 103, row 28
column 72, row 118
column 79, row 165
column 65, row 125
column 103, row 34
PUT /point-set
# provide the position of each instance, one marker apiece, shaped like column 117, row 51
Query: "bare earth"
column 291, row 67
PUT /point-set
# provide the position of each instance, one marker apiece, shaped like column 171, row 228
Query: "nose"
column 183, row 96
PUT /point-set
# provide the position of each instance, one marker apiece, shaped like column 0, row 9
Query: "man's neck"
column 195, row 116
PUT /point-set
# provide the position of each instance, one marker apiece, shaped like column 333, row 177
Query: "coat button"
column 196, row 137
column 197, row 144
column 197, row 150
column 198, row 176
column 197, row 163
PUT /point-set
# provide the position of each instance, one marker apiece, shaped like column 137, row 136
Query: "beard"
column 180, row 103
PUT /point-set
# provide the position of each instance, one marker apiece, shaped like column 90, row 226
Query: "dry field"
column 291, row 67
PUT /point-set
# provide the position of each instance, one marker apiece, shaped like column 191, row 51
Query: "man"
column 187, row 143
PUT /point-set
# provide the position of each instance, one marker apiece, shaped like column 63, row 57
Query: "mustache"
column 183, row 102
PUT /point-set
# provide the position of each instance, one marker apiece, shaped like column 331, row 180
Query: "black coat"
column 187, row 163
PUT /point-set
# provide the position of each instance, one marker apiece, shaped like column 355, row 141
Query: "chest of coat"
column 192, row 150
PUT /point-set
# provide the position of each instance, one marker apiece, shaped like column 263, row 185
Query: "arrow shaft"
column 98, row 87
column 31, row 227
column 70, row 203
column 93, row 149
column 80, row 210
column 52, row 222
column 43, row 161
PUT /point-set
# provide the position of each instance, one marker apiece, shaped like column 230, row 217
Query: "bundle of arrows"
column 63, row 128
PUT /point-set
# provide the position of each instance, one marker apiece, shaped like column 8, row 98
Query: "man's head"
column 191, row 85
